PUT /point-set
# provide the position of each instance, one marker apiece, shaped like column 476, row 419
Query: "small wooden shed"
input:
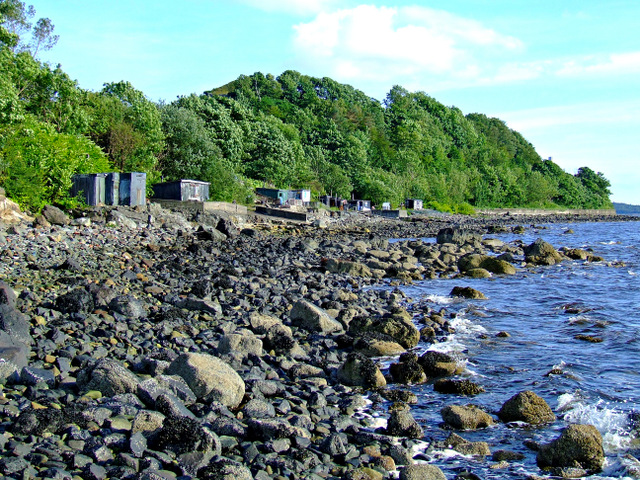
column 182, row 190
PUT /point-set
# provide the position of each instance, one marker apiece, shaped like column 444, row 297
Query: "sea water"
column 545, row 310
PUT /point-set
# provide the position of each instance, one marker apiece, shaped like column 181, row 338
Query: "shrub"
column 37, row 163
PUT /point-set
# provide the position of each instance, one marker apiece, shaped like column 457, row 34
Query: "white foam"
column 612, row 424
column 439, row 299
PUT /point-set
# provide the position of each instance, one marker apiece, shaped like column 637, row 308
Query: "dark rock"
column 172, row 407
column 55, row 216
column 182, row 435
column 15, row 324
column 38, row 421
column 439, row 364
column 541, row 253
column 109, row 377
column 457, row 236
column 457, row 387
column 467, row 292
column 225, row 469
column 401, row 422
column 506, row 456
column 407, row 370
column 360, row 370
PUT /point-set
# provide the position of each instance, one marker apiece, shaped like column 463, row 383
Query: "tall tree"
column 19, row 33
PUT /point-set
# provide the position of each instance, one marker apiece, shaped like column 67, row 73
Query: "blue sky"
column 565, row 74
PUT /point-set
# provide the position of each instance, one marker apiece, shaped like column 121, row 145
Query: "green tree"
column 128, row 127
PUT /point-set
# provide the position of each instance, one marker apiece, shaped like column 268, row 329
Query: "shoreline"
column 110, row 318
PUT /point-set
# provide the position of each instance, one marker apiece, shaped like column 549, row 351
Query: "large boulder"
column 578, row 446
column 209, row 378
column 465, row 447
column 359, row 370
column 355, row 269
column 109, row 377
column 407, row 370
column 422, row 472
column 375, row 344
column 401, row 422
column 14, row 356
column 241, row 343
column 541, row 253
column 55, row 216
column 397, row 327
column 129, row 306
column 466, row 417
column 310, row 317
column 471, row 261
column 498, row 266
column 7, row 295
column 439, row 364
column 15, row 324
column 526, row 407
column 458, row 236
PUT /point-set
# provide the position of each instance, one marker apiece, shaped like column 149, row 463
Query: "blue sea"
column 544, row 310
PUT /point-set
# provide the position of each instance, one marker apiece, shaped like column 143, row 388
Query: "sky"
column 565, row 74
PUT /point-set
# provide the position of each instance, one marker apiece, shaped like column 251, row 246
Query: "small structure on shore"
column 413, row 203
column 182, row 190
column 359, row 205
column 111, row 188
column 299, row 197
column 331, row 201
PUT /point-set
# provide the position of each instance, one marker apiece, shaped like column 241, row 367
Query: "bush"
column 37, row 163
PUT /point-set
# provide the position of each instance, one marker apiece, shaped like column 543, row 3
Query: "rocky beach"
column 149, row 344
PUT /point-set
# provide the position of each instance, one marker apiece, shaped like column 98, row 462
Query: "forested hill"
column 339, row 140
column 287, row 131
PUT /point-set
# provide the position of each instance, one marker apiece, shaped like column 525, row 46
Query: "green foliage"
column 128, row 128
column 37, row 163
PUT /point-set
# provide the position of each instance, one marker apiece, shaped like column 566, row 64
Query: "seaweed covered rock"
column 578, row 446
column 541, row 253
column 465, row 417
column 526, row 407
column 359, row 370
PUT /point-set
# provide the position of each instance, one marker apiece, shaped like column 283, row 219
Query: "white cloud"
column 612, row 64
column 299, row 7
column 384, row 43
